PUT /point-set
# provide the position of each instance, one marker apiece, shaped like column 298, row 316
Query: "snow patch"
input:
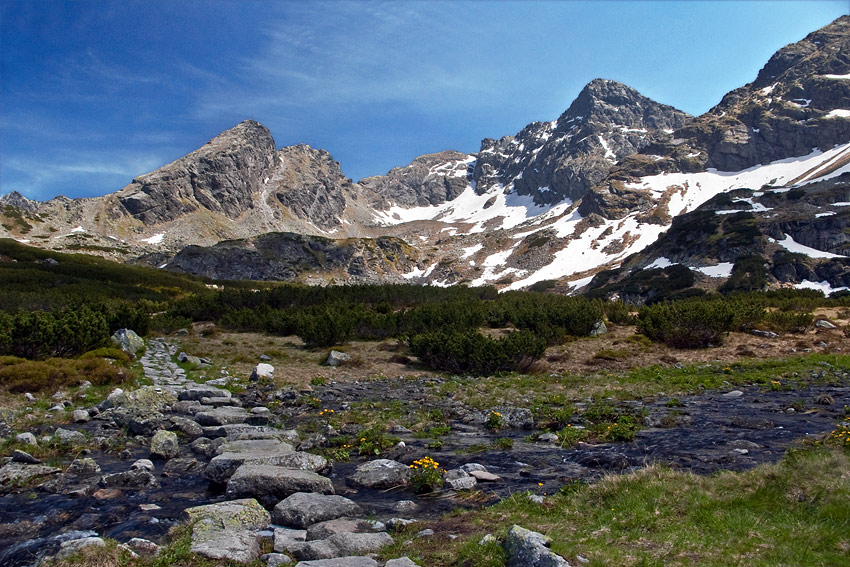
column 155, row 239
column 77, row 229
column 721, row 270
column 467, row 252
column 793, row 246
column 661, row 262
column 829, row 214
column 820, row 286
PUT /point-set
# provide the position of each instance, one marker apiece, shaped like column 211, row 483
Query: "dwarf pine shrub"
column 693, row 323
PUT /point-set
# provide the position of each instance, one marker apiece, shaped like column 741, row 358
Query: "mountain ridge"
column 559, row 200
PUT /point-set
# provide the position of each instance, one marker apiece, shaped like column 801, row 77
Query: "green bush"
column 788, row 321
column 325, row 327
column 470, row 352
column 692, row 323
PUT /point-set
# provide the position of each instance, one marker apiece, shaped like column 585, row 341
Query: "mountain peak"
column 824, row 51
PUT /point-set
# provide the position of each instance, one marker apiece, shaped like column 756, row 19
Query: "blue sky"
column 93, row 93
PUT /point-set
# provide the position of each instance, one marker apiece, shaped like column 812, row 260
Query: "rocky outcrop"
column 428, row 180
column 222, row 176
column 311, row 185
column 291, row 257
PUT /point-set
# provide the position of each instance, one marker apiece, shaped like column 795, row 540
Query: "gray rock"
column 401, row 562
column 824, row 324
column 26, row 438
column 128, row 341
column 70, row 547
column 239, row 431
column 335, row 358
column 68, row 436
column 84, row 466
column 526, row 548
column 164, row 445
column 188, row 359
column 469, row 467
column 225, row 415
column 766, row 334
column 405, row 506
column 284, row 538
column 548, row 438
column 270, row 484
column 19, row 456
column 80, row 416
column 358, row 561
column 341, row 545
column 733, row 394
column 302, row 509
column 29, row 397
column 261, row 370
column 130, row 480
column 258, row 446
column 21, row 473
column 458, row 479
column 143, row 546
column 515, row 418
column 197, row 393
column 599, row 328
column 188, row 427
column 142, row 465
column 380, row 473
column 228, row 530
column 324, row 530
column 222, row 466
column 275, row 559
column 265, row 357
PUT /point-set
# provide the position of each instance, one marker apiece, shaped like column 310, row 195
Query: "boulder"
column 130, row 480
column 83, row 466
column 69, row 436
column 222, row 466
column 224, row 415
column 380, row 473
column 341, row 545
column 358, row 561
column 401, row 562
column 270, row 484
column 262, row 370
column 26, row 438
column 19, row 456
column 237, row 431
column 458, row 479
column 80, row 416
column 70, row 547
column 188, row 359
column 255, row 446
column 128, row 341
column 188, row 427
column 485, row 476
column 197, row 393
column 228, row 530
column 21, row 473
column 302, row 509
column 335, row 358
column 599, row 328
column 164, row 445
column 526, row 548
column 284, row 538
column 324, row 530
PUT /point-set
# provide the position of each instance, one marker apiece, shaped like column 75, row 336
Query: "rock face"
column 221, row 176
column 428, row 180
column 290, row 257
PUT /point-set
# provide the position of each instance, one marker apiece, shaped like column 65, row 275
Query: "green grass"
column 793, row 513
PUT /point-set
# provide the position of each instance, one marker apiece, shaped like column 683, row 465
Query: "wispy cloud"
column 342, row 54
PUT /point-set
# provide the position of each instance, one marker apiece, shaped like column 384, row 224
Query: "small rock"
column 469, row 467
column 262, row 370
column 26, row 438
column 68, row 436
column 766, row 334
column 335, row 358
column 68, row 548
column 380, row 473
column 401, row 562
column 733, row 394
column 265, row 357
column 458, row 479
column 19, row 456
column 353, row 561
column 143, row 546
column 425, row 533
column 536, row 498
column 29, row 397
column 302, row 509
column 824, row 324
column 405, row 506
column 275, row 559
column 526, row 548
column 488, row 538
column 164, row 445
column 484, row 476
column 85, row 466
column 80, row 416
column 548, row 438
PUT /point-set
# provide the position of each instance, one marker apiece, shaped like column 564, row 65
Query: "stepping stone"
column 301, row 510
column 228, row 530
column 225, row 415
column 223, row 466
column 270, row 484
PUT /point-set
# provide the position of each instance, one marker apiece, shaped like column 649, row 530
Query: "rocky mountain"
column 615, row 182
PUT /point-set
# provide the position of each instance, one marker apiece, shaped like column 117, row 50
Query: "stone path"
column 159, row 367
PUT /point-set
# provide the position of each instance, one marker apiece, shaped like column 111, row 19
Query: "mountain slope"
column 559, row 200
